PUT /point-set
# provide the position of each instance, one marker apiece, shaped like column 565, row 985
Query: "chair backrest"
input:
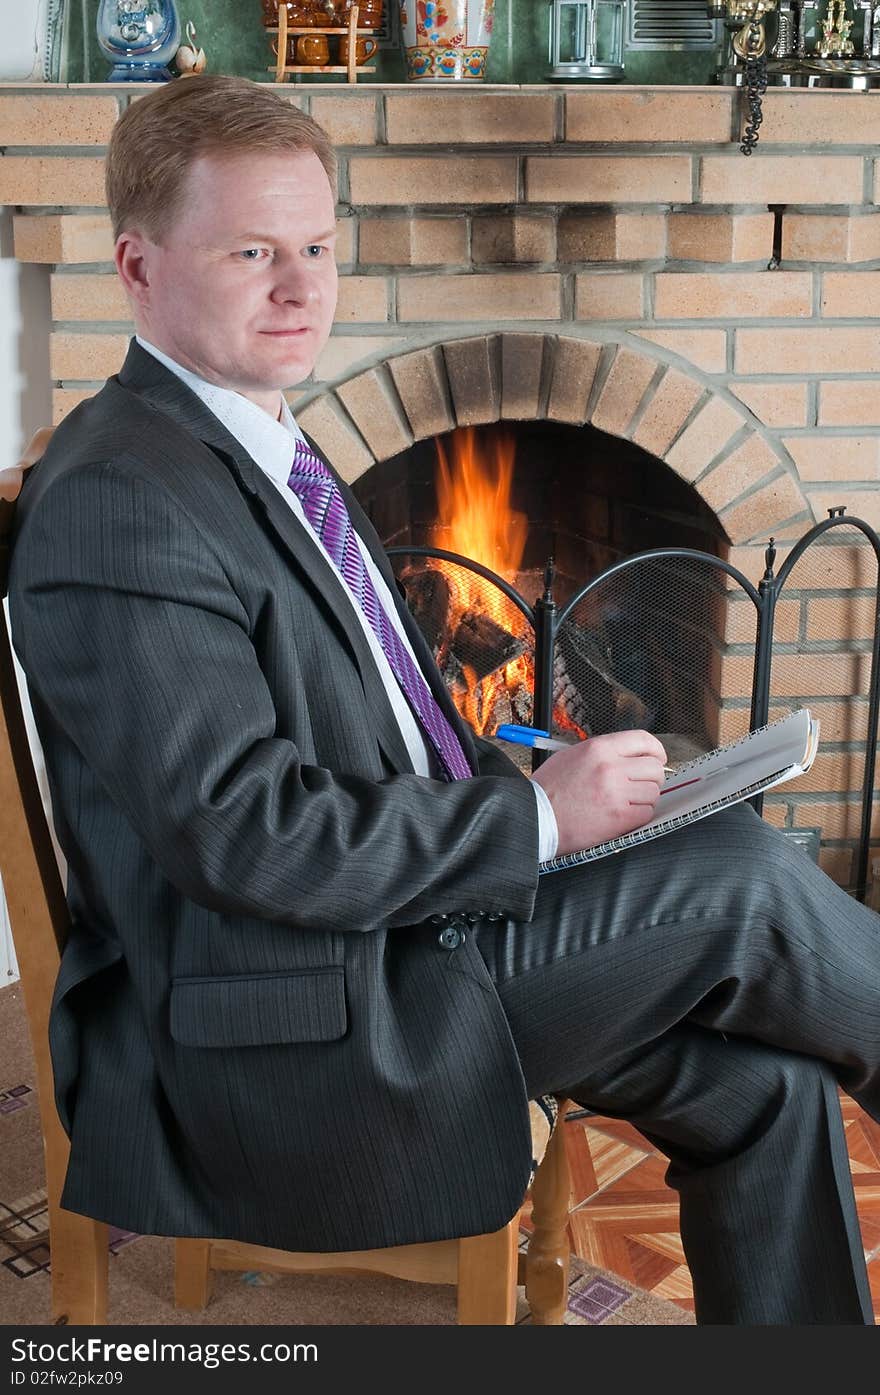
column 28, row 865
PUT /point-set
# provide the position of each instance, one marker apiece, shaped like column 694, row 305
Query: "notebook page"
column 788, row 737
column 779, row 746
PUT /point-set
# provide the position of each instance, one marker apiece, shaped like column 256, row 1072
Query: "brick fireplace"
column 595, row 267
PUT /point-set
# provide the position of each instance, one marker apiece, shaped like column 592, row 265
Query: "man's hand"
column 603, row 787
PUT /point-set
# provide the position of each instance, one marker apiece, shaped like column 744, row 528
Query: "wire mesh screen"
column 669, row 641
column 483, row 644
column 648, row 646
column 664, row 643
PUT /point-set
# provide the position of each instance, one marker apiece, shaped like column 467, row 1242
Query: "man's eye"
column 252, row 254
column 315, row 250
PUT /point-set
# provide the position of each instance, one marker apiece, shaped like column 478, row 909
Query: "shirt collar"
column 269, row 443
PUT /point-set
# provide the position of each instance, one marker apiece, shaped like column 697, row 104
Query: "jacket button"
column 451, row 936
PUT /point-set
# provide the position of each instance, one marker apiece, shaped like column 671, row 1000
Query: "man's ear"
column 133, row 263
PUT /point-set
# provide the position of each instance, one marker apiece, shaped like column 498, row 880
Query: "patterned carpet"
column 625, row 1219
column 141, row 1268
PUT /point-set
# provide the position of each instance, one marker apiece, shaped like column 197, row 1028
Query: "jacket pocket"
column 259, row 1009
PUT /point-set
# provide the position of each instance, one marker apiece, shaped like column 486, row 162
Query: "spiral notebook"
column 769, row 756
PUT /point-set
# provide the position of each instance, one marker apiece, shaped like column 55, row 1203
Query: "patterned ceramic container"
column 446, row 40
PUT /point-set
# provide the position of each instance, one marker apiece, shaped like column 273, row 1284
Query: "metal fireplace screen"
column 683, row 644
column 640, row 647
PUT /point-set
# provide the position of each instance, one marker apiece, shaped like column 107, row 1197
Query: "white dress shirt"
column 270, row 445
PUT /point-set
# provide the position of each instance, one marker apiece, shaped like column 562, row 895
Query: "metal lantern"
column 586, row 40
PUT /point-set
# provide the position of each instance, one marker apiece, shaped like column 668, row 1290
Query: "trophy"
column 835, row 41
column 744, row 21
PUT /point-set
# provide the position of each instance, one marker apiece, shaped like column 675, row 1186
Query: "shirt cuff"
column 548, row 831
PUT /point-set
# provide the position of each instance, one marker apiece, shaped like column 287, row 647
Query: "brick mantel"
column 616, row 222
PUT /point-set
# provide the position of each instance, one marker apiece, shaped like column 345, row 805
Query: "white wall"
column 25, row 403
column 25, row 393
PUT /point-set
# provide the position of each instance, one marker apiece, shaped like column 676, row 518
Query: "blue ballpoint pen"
column 529, row 736
column 534, row 736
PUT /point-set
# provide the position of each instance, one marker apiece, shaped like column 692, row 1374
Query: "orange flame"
column 475, row 518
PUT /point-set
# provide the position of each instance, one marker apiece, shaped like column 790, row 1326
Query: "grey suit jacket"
column 256, row 1031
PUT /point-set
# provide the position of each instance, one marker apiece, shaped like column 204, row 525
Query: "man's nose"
column 293, row 285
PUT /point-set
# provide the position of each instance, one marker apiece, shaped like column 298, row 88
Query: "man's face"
column 242, row 288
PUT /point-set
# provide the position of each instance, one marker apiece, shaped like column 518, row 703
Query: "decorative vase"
column 446, row 40
column 139, row 37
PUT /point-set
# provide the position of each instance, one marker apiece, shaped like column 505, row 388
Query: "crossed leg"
column 713, row 987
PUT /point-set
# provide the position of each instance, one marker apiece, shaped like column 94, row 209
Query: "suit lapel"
column 338, row 609
column 144, row 374
column 426, row 660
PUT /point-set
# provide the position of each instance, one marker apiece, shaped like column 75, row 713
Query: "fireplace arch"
column 619, row 385
column 593, row 420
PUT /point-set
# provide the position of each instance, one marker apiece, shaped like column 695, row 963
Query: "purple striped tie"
column 325, row 509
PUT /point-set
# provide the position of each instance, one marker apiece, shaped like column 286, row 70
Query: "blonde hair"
column 158, row 137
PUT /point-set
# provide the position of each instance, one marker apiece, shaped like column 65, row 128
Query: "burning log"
column 429, row 597
column 471, row 638
column 469, row 646
column 587, row 689
column 521, row 705
column 484, row 645
column 454, row 676
column 567, row 697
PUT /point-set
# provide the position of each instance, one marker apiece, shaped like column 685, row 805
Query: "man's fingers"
column 646, row 768
column 639, row 743
column 640, row 814
column 642, row 792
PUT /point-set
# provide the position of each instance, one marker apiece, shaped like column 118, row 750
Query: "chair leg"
column 192, row 1273
column 78, row 1268
column 77, row 1244
column 547, row 1261
column 487, row 1277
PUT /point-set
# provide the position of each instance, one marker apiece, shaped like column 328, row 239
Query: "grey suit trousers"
column 714, row 987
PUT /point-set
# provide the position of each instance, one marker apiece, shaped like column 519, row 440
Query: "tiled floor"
column 624, row 1218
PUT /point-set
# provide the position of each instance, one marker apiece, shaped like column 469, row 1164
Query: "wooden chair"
column 485, row 1268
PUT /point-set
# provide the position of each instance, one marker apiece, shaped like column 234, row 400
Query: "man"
column 314, row 977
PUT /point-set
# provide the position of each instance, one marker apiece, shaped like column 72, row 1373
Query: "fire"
column 475, row 518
